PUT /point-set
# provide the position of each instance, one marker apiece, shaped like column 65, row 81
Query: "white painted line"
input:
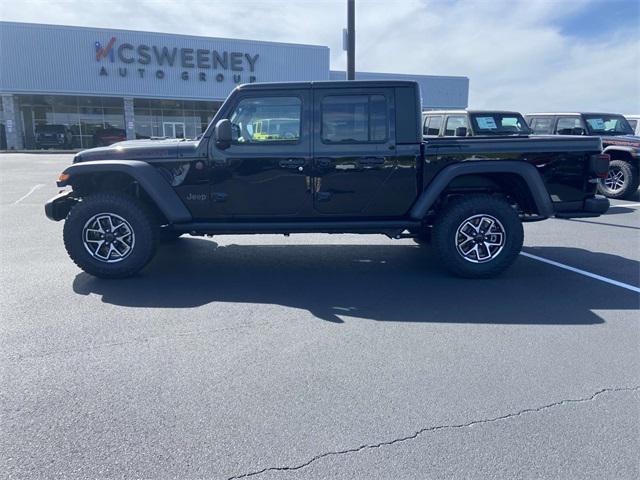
column 40, row 185
column 625, row 204
column 582, row 272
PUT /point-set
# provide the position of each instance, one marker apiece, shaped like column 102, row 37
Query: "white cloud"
column 512, row 51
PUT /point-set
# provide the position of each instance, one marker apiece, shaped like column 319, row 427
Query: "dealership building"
column 93, row 86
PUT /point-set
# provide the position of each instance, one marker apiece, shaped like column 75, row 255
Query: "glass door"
column 173, row 129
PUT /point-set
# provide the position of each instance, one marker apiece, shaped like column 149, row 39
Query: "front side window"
column 354, row 119
column 453, row 123
column 267, row 119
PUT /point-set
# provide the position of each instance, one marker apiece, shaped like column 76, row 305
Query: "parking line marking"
column 625, row 204
column 582, row 272
column 40, row 185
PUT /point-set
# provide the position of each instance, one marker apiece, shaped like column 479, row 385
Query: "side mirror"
column 461, row 131
column 223, row 134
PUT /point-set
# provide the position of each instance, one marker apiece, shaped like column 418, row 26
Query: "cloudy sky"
column 523, row 55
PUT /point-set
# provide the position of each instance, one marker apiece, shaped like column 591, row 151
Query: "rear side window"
column 453, row 123
column 542, row 125
column 354, row 119
column 432, row 126
column 567, row 124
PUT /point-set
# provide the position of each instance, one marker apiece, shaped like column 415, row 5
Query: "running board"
column 390, row 228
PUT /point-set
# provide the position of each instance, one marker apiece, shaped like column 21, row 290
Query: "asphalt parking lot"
column 317, row 356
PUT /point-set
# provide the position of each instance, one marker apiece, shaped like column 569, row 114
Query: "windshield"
column 499, row 124
column 608, row 125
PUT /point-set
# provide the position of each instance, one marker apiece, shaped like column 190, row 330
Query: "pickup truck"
column 355, row 162
column 618, row 141
column 472, row 123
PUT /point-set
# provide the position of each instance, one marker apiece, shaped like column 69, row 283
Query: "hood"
column 144, row 150
column 621, row 140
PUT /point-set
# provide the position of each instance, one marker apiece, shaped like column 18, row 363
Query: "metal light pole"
column 351, row 39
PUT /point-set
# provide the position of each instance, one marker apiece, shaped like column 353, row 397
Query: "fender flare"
column 621, row 148
column 524, row 170
column 152, row 182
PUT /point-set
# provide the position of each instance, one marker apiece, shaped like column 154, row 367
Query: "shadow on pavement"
column 396, row 283
column 618, row 209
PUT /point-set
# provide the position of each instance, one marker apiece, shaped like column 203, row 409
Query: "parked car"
column 463, row 123
column 108, row 136
column 53, row 136
column 275, row 129
column 634, row 121
column 618, row 141
column 356, row 163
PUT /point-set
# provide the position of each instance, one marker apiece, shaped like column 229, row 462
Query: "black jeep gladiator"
column 350, row 160
column 618, row 140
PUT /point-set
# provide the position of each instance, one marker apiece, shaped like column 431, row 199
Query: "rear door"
column 354, row 149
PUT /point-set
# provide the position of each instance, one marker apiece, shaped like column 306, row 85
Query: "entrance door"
column 266, row 170
column 173, row 129
column 354, row 150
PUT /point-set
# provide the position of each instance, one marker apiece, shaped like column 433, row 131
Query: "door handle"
column 371, row 161
column 292, row 163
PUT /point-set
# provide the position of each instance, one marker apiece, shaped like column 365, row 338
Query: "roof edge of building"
column 147, row 32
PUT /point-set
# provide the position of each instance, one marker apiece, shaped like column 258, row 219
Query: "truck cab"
column 619, row 141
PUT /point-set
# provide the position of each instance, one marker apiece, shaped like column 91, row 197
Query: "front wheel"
column 110, row 235
column 621, row 180
column 478, row 236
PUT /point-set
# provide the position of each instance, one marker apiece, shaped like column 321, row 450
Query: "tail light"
column 600, row 164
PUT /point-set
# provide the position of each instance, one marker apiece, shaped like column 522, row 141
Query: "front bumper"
column 591, row 207
column 58, row 207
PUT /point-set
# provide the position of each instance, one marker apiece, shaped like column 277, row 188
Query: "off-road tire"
column 453, row 216
column 630, row 182
column 423, row 236
column 128, row 208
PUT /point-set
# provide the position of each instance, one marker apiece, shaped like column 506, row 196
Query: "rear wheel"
column 478, row 236
column 110, row 235
column 621, row 181
column 423, row 236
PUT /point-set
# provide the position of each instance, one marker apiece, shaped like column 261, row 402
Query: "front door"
column 266, row 170
column 173, row 129
column 354, row 150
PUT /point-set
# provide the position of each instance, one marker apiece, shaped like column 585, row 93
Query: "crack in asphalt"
column 436, row 428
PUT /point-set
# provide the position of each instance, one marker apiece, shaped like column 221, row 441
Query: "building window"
column 172, row 118
column 86, row 121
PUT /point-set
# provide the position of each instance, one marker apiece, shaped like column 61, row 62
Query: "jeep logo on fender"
column 137, row 57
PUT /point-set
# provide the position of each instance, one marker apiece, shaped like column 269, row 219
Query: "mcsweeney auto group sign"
column 188, row 64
